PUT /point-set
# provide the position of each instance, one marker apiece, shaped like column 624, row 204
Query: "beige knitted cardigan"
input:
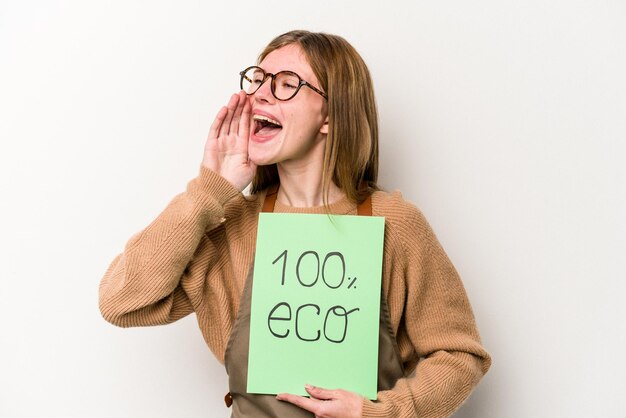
column 195, row 256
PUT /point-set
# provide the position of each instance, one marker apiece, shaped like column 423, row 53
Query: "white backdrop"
column 504, row 121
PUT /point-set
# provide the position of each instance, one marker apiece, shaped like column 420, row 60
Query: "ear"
column 324, row 127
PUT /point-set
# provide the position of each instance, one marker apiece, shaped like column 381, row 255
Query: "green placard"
column 316, row 303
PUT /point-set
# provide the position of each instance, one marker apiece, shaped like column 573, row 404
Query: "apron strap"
column 364, row 209
column 270, row 198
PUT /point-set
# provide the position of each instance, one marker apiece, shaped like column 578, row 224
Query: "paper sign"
column 316, row 303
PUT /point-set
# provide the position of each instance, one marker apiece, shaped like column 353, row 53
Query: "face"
column 298, row 126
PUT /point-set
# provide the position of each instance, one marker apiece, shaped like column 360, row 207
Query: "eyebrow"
column 279, row 71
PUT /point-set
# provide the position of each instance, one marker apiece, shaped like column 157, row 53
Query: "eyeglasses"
column 284, row 85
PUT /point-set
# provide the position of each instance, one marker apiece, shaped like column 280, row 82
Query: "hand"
column 226, row 149
column 326, row 403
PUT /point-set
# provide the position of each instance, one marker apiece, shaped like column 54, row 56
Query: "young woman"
column 305, row 128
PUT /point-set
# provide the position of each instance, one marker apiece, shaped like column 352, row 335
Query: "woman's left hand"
column 325, row 403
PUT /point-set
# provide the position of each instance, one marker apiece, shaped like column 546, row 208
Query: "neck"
column 301, row 186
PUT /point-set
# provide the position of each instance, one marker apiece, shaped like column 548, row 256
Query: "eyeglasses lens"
column 285, row 85
column 252, row 79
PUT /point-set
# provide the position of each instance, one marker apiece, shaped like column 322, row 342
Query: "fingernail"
column 307, row 386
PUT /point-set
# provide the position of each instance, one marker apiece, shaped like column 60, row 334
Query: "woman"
column 305, row 126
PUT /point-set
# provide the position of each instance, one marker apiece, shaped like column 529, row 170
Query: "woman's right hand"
column 226, row 149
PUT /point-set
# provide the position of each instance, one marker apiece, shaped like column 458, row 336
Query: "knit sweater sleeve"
column 142, row 286
column 440, row 325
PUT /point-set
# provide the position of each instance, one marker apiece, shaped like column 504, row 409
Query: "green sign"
column 316, row 303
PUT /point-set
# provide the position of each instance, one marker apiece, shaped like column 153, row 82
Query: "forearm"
column 141, row 287
column 442, row 382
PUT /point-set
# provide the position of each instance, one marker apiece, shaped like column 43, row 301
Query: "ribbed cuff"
column 211, row 186
column 373, row 410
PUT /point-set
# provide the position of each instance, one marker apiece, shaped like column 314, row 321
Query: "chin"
column 261, row 160
column 262, row 153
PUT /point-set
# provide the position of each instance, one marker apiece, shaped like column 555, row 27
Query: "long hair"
column 351, row 152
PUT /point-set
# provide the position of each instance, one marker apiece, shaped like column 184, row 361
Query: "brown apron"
column 249, row 405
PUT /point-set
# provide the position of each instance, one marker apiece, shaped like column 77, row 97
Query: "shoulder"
column 404, row 222
column 397, row 211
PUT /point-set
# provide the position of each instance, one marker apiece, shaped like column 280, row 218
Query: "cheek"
column 309, row 120
column 304, row 122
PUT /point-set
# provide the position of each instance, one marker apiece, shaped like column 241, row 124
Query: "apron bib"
column 249, row 405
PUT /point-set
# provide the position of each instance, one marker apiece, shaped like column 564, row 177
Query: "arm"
column 148, row 283
column 143, row 284
column 440, row 326
column 433, row 321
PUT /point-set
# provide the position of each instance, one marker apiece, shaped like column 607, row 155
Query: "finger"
column 217, row 123
column 311, row 405
column 232, row 104
column 245, row 122
column 321, row 393
column 237, row 114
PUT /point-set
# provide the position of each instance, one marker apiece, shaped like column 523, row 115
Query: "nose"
column 264, row 93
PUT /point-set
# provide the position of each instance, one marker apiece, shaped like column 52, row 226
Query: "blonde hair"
column 351, row 152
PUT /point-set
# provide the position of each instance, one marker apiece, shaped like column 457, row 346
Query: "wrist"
column 209, row 183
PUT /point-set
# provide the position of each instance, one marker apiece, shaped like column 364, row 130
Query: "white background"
column 504, row 121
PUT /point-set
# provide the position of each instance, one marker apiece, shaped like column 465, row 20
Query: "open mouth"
column 265, row 127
